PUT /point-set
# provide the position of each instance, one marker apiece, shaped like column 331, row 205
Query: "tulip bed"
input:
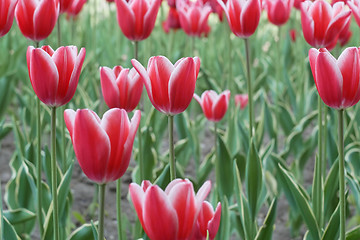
column 229, row 139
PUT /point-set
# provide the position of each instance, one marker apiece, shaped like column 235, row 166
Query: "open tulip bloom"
column 278, row 11
column 214, row 105
column 7, row 8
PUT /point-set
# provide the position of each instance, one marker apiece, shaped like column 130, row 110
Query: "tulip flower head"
column 278, row 11
column 75, row 7
column 37, row 18
column 241, row 100
column 64, row 5
column 216, row 8
column 337, row 80
column 171, row 214
column 293, row 35
column 170, row 87
column 214, row 105
column 137, row 18
column 54, row 75
column 172, row 21
column 7, row 8
column 354, row 5
column 322, row 23
column 121, row 87
column 243, row 16
column 102, row 146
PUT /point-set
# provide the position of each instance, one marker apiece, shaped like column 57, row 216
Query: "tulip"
column 54, row 75
column 7, row 8
column 170, row 214
column 64, row 5
column 297, row 4
column 75, row 8
column 322, row 23
column 213, row 105
column 121, row 87
column 345, row 35
column 278, row 11
column 172, row 21
column 293, row 35
column 208, row 221
column 169, row 87
column 193, row 17
column 337, row 80
column 354, row 5
column 215, row 7
column 241, row 100
column 37, row 19
column 137, row 18
column 243, row 16
column 172, row 3
column 102, row 146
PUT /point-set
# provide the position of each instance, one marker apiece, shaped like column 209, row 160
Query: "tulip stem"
column 101, row 210
column 54, row 174
column 63, row 139
column 38, row 180
column 341, row 173
column 136, row 50
column 118, row 207
column 58, row 32
column 251, row 107
column 171, row 148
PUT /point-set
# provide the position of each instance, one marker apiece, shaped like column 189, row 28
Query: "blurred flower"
column 207, row 221
column 170, row 87
column 278, row 11
column 337, row 81
column 54, row 75
column 75, row 7
column 216, row 8
column 345, row 35
column 297, row 3
column 172, row 3
column 102, row 146
column 64, row 5
column 322, row 23
column 293, row 35
column 137, row 18
column 335, row 1
column 354, row 5
column 243, row 16
column 36, row 19
column 194, row 17
column 121, row 87
column 241, row 100
column 213, row 105
column 172, row 21
column 176, row 209
column 7, row 8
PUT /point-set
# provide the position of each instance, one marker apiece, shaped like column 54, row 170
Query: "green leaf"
column 224, row 227
column 332, row 229
column 317, row 192
column 9, row 231
column 331, row 187
column 353, row 234
column 265, row 232
column 19, row 216
column 84, row 232
column 223, row 168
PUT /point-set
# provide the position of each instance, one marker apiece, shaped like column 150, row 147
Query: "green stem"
column 278, row 66
column 250, row 94
column 118, row 207
column 171, row 148
column 230, row 80
column 63, row 140
column 38, row 180
column 192, row 53
column 54, row 174
column 136, row 50
column 59, row 32
column 101, row 210
column 217, row 163
column 319, row 161
column 341, row 173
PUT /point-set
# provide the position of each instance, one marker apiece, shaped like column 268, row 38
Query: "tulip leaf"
column 265, row 232
column 353, row 234
column 232, row 135
column 331, row 187
column 84, row 232
column 317, row 192
column 223, row 168
column 332, row 229
column 224, row 227
column 19, row 216
column 270, row 125
column 9, row 232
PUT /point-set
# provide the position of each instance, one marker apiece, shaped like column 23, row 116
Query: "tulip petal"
column 137, row 197
column 69, row 117
column 109, row 88
column 336, row 25
column 24, row 13
column 214, row 223
column 126, row 19
column 150, row 18
column 44, row 19
column 250, row 17
column 145, row 77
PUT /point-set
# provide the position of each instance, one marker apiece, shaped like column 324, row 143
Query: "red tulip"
column 172, row 3
column 293, row 34
column 137, row 18
column 345, row 35
column 278, row 11
column 354, row 5
column 121, row 87
column 322, row 23
column 297, row 3
column 75, row 7
column 169, row 87
column 7, row 8
column 172, row 21
column 208, row 221
column 36, row 19
column 213, row 105
column 169, row 214
column 337, row 81
column 243, row 16
column 193, row 17
column 216, row 8
column 102, row 146
column 241, row 100
column 64, row 5
column 54, row 75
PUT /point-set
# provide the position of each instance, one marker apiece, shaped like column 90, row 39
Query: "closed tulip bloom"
column 7, row 8
column 214, row 105
column 243, row 16
column 36, row 18
column 215, row 7
column 169, row 214
column 194, row 17
column 54, row 75
column 75, row 7
column 137, row 18
column 121, row 87
column 170, row 87
column 337, row 80
column 64, row 5
column 172, row 21
column 208, row 221
column 278, row 11
column 102, row 146
column 241, row 100
column 354, row 5
column 322, row 23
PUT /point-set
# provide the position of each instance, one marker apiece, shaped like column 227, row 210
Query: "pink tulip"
column 169, row 214
column 64, row 5
column 213, row 105
column 216, row 8
column 7, row 8
column 345, row 35
column 102, row 146
column 278, row 11
column 297, row 4
column 243, row 16
column 293, row 35
column 75, row 7
column 37, row 18
column 172, row 21
column 354, row 5
column 121, row 87
column 169, row 87
column 322, row 23
column 337, row 81
column 208, row 221
column 54, row 75
column 172, row 3
column 137, row 18
column 194, row 17
column 241, row 100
